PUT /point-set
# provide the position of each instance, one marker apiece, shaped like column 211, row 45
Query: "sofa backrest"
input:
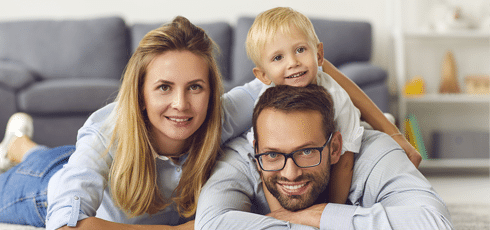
column 344, row 41
column 52, row 49
column 220, row 32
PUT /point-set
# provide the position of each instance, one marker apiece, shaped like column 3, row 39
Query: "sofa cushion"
column 241, row 65
column 364, row 73
column 344, row 41
column 95, row 48
column 15, row 76
column 67, row 96
column 220, row 32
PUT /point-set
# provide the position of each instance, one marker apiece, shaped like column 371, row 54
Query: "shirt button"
column 178, row 169
column 76, row 198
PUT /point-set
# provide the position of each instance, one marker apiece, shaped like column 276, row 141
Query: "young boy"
column 286, row 51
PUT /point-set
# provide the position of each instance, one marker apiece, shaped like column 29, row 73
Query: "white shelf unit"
column 420, row 52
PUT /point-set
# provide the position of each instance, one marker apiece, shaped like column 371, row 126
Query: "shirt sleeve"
column 347, row 116
column 395, row 196
column 232, row 193
column 75, row 192
column 238, row 106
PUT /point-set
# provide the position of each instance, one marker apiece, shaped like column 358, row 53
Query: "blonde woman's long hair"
column 133, row 176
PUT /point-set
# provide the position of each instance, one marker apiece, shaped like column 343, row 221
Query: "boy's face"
column 289, row 59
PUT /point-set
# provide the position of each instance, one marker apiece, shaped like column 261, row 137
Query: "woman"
column 140, row 160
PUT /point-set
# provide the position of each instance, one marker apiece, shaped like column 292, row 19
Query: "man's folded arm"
column 226, row 200
column 395, row 196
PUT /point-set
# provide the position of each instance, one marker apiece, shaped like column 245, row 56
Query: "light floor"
column 462, row 189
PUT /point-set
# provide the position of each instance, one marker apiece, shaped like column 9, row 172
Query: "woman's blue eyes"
column 165, row 88
column 194, row 87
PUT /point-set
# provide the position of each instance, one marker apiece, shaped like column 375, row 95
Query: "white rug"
column 464, row 216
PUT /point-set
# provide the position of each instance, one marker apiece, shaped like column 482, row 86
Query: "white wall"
column 377, row 12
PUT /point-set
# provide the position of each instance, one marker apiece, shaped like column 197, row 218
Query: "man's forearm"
column 310, row 216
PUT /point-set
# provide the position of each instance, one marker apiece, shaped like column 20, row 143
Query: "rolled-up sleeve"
column 75, row 192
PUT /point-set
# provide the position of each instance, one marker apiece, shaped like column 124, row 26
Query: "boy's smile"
column 290, row 59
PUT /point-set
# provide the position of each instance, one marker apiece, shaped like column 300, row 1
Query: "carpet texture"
column 464, row 216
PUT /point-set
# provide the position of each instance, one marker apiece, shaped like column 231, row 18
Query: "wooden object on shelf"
column 449, row 80
column 477, row 84
column 414, row 136
column 414, row 87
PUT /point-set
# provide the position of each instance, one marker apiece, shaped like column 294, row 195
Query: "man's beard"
column 317, row 181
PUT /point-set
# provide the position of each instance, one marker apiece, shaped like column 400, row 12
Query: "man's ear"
column 335, row 147
column 260, row 74
column 320, row 53
column 256, row 160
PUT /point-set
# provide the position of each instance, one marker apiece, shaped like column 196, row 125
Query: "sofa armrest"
column 364, row 73
column 15, row 76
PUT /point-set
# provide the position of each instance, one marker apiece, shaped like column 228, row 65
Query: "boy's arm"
column 385, row 196
column 370, row 112
column 341, row 178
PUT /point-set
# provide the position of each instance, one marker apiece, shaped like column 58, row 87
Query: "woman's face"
column 176, row 94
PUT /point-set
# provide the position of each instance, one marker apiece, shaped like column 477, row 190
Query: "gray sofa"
column 60, row 71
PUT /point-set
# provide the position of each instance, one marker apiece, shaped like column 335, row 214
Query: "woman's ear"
column 260, row 74
column 335, row 147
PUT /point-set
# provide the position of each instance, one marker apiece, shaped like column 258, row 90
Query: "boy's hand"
column 310, row 216
column 411, row 152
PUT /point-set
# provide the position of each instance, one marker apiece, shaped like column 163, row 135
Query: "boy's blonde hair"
column 268, row 23
column 133, row 175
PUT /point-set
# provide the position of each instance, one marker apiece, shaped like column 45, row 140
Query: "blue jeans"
column 23, row 188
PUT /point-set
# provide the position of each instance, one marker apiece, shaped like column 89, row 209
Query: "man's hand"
column 310, row 216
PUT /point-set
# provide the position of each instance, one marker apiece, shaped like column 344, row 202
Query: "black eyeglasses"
column 303, row 158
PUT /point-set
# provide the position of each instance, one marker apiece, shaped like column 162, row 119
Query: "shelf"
column 451, row 34
column 458, row 166
column 450, row 98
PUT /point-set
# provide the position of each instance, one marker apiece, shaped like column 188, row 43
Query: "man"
column 295, row 144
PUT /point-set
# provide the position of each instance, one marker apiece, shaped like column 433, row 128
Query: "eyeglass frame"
column 290, row 155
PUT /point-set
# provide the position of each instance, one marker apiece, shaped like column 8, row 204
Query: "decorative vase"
column 449, row 80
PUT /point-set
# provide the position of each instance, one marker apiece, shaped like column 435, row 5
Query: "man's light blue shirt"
column 387, row 192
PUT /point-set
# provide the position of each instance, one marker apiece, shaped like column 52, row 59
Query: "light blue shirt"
column 387, row 192
column 79, row 190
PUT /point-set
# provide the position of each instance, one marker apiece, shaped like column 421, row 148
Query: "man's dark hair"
column 290, row 99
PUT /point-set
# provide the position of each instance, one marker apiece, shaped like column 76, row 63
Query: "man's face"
column 295, row 188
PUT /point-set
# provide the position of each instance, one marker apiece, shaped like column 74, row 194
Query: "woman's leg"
column 23, row 188
column 19, row 147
